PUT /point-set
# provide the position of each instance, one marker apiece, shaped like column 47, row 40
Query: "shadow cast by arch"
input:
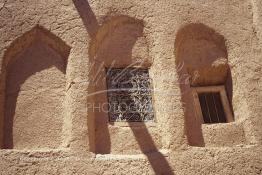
column 112, row 47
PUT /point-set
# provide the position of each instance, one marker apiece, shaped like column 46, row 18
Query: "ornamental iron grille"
column 129, row 95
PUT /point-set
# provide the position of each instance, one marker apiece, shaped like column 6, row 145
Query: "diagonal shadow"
column 156, row 159
column 87, row 16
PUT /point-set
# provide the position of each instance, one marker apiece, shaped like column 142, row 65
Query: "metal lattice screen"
column 129, row 95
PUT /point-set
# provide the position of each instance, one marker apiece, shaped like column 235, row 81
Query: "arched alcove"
column 33, row 78
column 202, row 61
column 119, row 43
column 204, row 54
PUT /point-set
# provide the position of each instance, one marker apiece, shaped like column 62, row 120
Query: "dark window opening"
column 129, row 95
column 212, row 108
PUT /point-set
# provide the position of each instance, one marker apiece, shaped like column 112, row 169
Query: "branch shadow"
column 87, row 16
column 156, row 159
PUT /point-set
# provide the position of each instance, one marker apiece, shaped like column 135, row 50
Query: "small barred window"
column 212, row 107
column 212, row 104
column 129, row 95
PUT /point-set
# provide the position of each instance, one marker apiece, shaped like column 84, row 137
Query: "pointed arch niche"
column 202, row 64
column 33, row 91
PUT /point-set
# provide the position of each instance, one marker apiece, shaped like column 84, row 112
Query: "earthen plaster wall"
column 74, row 37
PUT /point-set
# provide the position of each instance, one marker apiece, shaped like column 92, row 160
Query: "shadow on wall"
column 113, row 45
column 33, row 74
column 201, row 54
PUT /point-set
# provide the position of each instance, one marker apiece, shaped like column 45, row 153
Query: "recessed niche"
column 120, row 44
column 201, row 55
column 34, row 93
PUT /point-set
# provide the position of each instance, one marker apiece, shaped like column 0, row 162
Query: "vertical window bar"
column 215, row 107
column 208, row 109
column 211, row 107
column 220, row 108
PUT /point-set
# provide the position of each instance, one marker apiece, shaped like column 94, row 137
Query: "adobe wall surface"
column 51, row 51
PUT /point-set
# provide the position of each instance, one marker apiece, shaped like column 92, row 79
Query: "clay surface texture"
column 113, row 87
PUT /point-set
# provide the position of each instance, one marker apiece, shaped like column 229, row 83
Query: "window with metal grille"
column 212, row 108
column 129, row 95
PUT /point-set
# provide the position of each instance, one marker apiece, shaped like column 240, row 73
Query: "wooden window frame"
column 211, row 89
